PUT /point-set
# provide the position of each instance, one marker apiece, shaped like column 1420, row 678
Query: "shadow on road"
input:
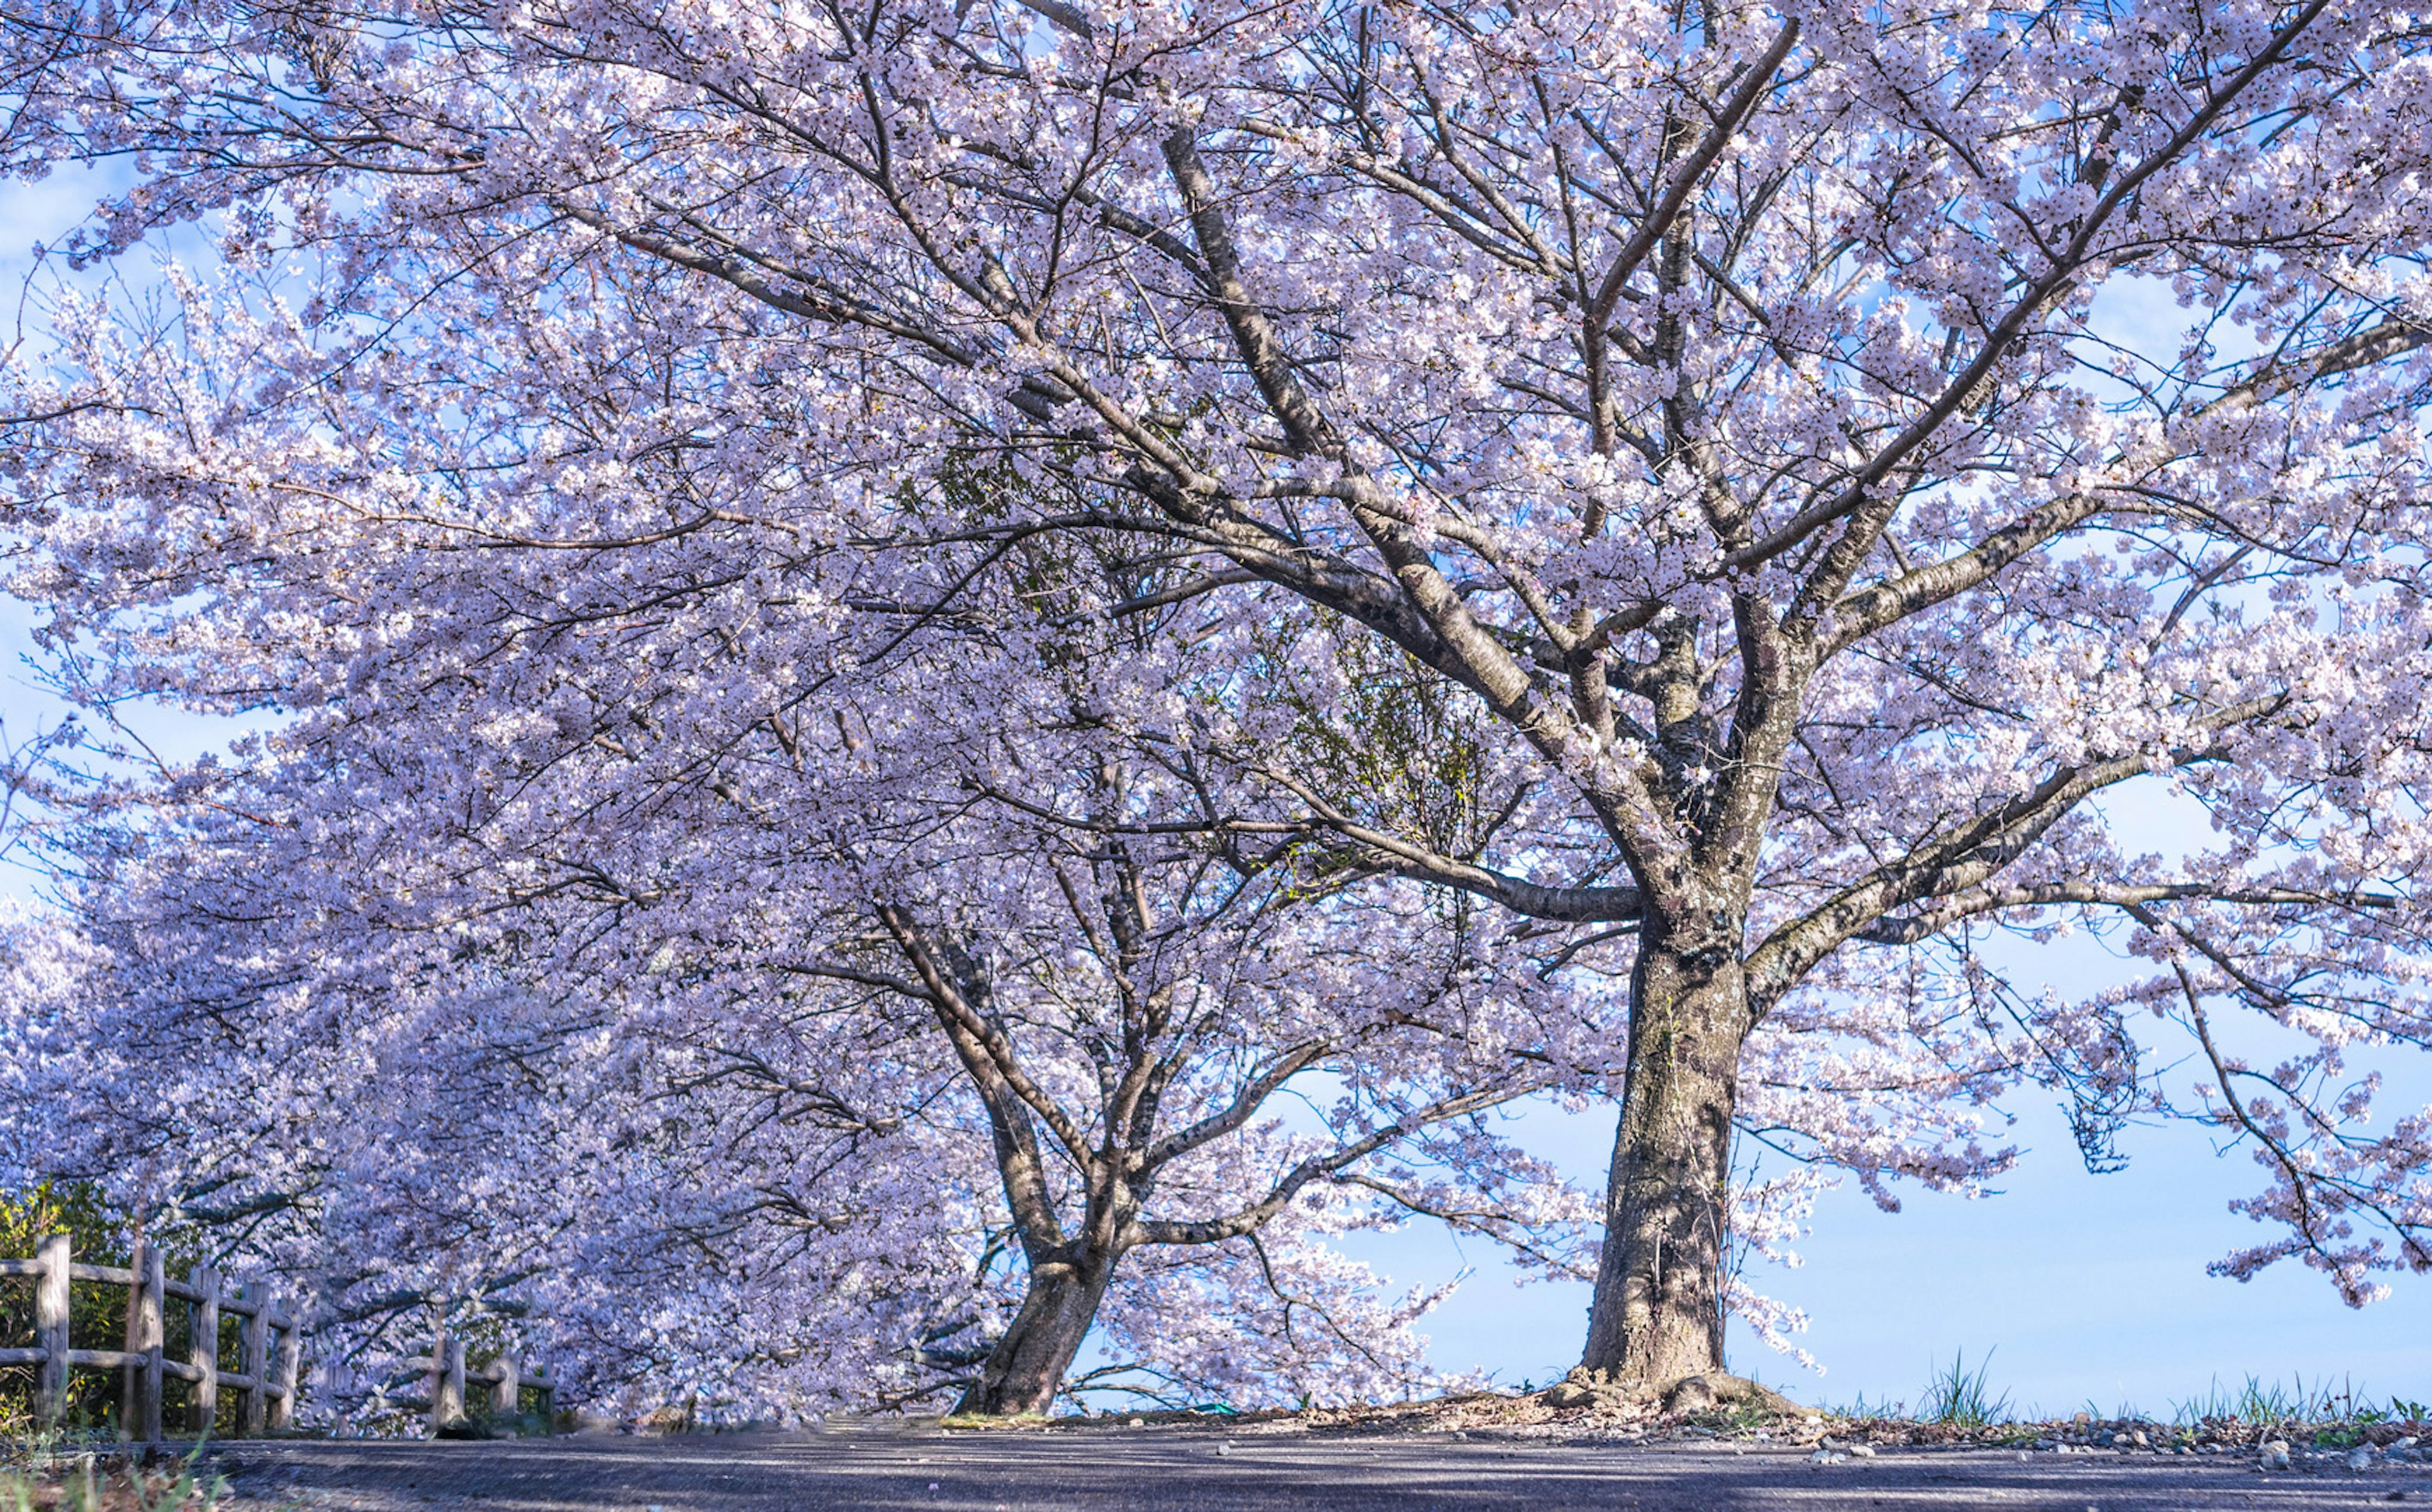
column 1177, row 1470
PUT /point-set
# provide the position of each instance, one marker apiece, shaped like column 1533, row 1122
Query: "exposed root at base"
column 1682, row 1395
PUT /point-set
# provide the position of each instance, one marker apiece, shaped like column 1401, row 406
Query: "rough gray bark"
column 1657, row 1313
column 1024, row 1373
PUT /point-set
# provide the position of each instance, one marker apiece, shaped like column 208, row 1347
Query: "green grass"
column 1963, row 1398
column 2325, row 1410
column 1735, row 1419
column 2261, row 1403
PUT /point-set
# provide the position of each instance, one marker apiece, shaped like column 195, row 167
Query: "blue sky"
column 2086, row 1290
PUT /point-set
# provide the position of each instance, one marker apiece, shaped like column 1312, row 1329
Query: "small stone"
column 2360, row 1457
column 1824, row 1457
column 2137, row 1437
column 2024, row 1457
column 1135, row 1423
column 1863, row 1450
column 1224, row 1449
column 2407, row 1442
column 2276, row 1454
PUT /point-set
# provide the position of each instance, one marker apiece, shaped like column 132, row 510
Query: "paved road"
column 1160, row 1469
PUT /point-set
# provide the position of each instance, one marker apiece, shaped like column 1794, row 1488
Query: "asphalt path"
column 1179, row 1469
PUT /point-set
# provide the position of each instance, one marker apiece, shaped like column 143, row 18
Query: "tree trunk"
column 1023, row 1372
column 1658, row 1309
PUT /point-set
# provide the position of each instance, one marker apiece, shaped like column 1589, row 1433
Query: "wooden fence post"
column 447, row 1402
column 51, row 1328
column 291, row 1355
column 438, row 1378
column 153, row 1279
column 205, row 1356
column 139, row 1398
column 504, row 1397
column 131, row 1376
column 252, row 1405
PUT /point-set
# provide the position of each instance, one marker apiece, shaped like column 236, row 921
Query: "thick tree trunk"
column 1023, row 1372
column 1657, row 1310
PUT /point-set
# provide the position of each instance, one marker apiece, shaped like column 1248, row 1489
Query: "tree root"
column 1583, row 1387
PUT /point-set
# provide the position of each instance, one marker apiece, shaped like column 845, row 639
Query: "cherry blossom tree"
column 794, row 1178
column 619, row 998
column 1734, row 410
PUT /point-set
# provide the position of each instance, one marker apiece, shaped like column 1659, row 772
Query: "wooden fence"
column 268, row 1350
column 264, row 1381
column 444, row 1376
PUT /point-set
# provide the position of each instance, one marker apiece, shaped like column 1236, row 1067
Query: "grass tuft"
column 1963, row 1398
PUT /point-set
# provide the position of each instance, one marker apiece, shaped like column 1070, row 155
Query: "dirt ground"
column 1202, row 1468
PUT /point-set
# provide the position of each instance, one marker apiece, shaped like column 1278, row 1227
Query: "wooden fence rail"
column 265, row 1379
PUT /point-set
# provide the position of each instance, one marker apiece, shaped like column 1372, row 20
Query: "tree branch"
column 1973, row 854
column 1254, row 1216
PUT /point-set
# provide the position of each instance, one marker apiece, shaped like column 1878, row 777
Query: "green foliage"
column 1954, row 1396
column 1389, row 746
column 53, row 1207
